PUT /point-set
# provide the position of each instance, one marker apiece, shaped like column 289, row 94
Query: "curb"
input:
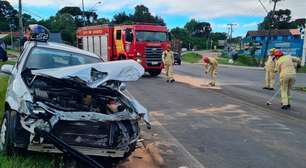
column 232, row 66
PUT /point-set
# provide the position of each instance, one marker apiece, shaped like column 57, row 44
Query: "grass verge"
column 242, row 60
column 27, row 161
column 7, row 62
column 303, row 89
column 191, row 57
column 12, row 52
column 302, row 70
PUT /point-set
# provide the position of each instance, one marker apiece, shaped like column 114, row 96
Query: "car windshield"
column 44, row 58
column 151, row 36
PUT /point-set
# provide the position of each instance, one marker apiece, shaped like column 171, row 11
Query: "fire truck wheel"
column 154, row 72
column 122, row 57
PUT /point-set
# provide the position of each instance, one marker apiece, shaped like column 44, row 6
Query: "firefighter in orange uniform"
column 168, row 60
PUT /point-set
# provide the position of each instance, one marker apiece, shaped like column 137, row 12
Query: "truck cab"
column 143, row 43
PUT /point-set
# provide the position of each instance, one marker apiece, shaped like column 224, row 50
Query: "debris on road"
column 145, row 156
column 196, row 82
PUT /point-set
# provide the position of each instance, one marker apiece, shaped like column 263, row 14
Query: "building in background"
column 288, row 40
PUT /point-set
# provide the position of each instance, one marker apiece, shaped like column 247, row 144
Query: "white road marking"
column 188, row 158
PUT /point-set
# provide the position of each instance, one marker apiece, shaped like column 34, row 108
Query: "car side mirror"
column 7, row 69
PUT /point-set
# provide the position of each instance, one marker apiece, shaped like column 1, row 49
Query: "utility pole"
column 270, row 30
column 231, row 27
column 20, row 24
column 12, row 41
column 83, row 12
column 304, row 48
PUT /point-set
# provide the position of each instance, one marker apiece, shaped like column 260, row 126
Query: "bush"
column 247, row 60
column 192, row 57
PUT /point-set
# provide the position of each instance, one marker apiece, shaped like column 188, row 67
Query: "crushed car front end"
column 86, row 106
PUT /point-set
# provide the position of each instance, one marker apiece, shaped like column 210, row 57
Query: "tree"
column 141, row 14
column 91, row 17
column 102, row 21
column 121, row 18
column 281, row 20
column 27, row 20
column 219, row 36
column 66, row 25
column 202, row 29
column 73, row 11
column 182, row 35
column 8, row 15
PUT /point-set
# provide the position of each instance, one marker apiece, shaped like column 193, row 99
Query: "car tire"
column 6, row 144
column 9, row 128
column 154, row 72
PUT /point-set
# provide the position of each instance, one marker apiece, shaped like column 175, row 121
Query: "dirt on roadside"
column 145, row 156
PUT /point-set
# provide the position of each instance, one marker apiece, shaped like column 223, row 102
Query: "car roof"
column 65, row 47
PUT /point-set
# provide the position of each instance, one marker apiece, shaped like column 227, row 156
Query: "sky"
column 246, row 14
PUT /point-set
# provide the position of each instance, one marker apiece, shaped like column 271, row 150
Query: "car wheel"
column 6, row 144
column 10, row 127
column 154, row 72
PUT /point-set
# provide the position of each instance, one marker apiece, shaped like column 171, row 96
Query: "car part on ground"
column 66, row 149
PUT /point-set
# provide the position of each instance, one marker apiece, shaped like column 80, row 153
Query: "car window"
column 43, row 58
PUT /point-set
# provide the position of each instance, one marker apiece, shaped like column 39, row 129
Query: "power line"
column 32, row 13
column 263, row 6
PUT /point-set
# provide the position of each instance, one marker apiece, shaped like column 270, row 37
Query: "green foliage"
column 198, row 29
column 281, row 20
column 103, row 21
column 242, row 60
column 3, row 87
column 141, row 14
column 72, row 10
column 302, row 70
column 197, row 35
column 8, row 16
column 247, row 60
column 33, row 161
column 191, row 57
column 121, row 18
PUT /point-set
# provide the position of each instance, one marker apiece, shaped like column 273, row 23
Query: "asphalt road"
column 229, row 127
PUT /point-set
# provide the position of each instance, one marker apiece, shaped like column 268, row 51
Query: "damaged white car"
column 62, row 99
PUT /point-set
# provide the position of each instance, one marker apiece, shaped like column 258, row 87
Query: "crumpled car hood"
column 96, row 74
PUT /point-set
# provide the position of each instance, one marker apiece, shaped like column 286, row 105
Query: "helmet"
column 206, row 59
column 278, row 53
column 37, row 32
column 168, row 47
column 272, row 50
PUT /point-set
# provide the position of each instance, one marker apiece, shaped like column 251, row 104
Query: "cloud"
column 199, row 9
column 252, row 24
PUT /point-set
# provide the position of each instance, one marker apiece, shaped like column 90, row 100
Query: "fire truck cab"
column 143, row 43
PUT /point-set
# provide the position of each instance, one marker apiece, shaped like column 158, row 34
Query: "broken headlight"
column 35, row 110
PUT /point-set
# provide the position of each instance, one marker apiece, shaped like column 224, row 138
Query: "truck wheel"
column 122, row 57
column 9, row 128
column 154, row 72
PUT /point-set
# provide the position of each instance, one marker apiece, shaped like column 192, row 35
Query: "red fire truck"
column 143, row 43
